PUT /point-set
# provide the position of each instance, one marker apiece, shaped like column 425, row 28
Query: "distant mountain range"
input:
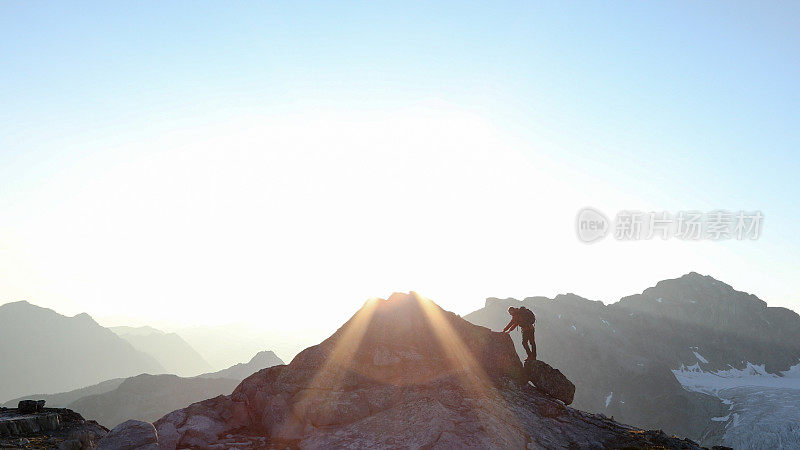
column 43, row 351
column 64, row 399
column 148, row 397
column 656, row 359
column 119, row 373
column 169, row 349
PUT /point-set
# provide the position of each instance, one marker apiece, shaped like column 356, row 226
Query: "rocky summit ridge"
column 401, row 372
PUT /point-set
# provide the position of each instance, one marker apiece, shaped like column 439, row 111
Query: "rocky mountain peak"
column 571, row 300
column 492, row 301
column 24, row 307
column 24, row 310
column 84, row 317
column 401, row 372
column 264, row 356
column 17, row 304
column 691, row 291
column 408, row 339
column 696, row 282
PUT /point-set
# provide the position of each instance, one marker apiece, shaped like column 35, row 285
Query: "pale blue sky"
column 671, row 105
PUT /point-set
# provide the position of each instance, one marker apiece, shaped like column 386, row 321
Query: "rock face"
column 551, row 381
column 400, row 373
column 23, row 423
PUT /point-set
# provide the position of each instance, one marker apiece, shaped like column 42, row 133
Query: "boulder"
column 550, row 381
column 30, row 406
column 129, row 435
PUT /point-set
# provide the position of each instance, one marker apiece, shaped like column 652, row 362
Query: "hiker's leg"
column 525, row 342
column 527, row 349
column 529, row 343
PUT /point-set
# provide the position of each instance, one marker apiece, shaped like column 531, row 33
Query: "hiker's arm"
column 511, row 325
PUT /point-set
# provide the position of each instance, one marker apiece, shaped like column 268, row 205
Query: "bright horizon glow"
column 279, row 165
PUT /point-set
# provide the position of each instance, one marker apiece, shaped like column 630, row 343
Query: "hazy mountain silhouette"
column 240, row 371
column 622, row 356
column 401, row 372
column 169, row 349
column 64, row 399
column 43, row 351
column 148, row 397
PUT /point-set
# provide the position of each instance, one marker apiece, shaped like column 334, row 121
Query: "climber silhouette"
column 523, row 318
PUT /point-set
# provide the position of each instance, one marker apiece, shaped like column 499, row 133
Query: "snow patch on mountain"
column 693, row 378
column 763, row 406
column 700, row 357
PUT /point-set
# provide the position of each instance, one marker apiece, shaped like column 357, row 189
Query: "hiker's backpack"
column 526, row 316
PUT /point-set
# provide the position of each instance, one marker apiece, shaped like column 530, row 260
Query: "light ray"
column 339, row 361
column 472, row 376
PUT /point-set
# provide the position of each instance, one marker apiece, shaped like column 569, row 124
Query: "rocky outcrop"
column 20, row 423
column 47, row 428
column 400, row 373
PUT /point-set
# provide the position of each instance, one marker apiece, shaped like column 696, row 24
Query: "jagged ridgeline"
column 401, row 372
